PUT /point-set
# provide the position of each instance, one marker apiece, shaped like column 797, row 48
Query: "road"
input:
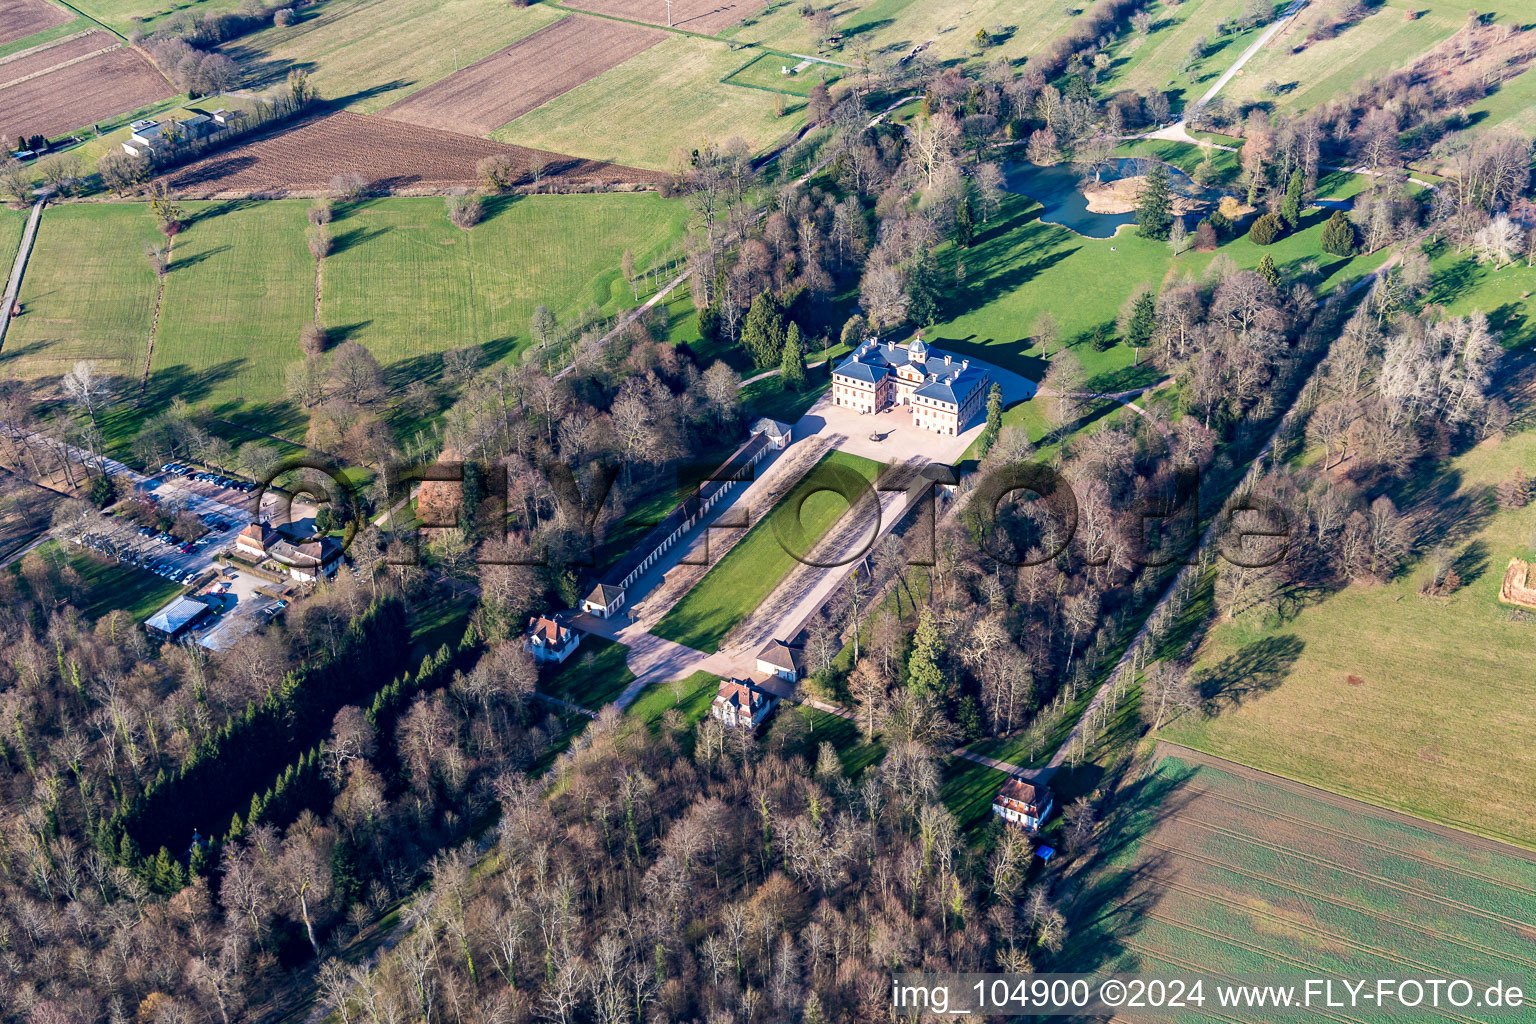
column 1257, row 45
column 19, row 267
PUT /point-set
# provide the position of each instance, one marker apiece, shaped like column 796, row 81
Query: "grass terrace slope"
column 394, row 156
column 513, row 81
column 367, row 54
column 1156, row 61
column 1424, row 705
column 707, row 17
column 668, row 97
column 754, row 567
column 1226, row 871
column 946, row 32
column 89, row 293
column 78, row 94
column 101, row 585
column 148, row 15
column 1385, row 39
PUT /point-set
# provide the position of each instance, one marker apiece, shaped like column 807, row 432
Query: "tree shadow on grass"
column 1472, row 563
column 181, row 381
column 356, row 237
column 219, row 208
column 1252, row 671
column 193, row 259
column 1114, row 901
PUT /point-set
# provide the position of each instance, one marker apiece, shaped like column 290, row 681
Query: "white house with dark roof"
column 944, row 393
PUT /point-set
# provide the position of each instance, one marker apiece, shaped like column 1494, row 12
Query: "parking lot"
column 238, row 605
column 118, row 536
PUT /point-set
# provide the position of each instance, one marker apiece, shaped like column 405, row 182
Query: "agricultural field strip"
column 1284, row 958
column 1365, row 876
column 87, row 55
column 548, row 63
column 1206, row 969
column 1315, row 894
column 1359, row 840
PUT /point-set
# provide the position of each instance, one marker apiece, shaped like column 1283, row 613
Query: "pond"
column 1055, row 188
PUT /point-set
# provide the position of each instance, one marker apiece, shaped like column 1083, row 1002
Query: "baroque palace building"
column 944, row 393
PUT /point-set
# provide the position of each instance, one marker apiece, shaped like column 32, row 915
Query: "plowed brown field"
column 21, row 18
column 393, row 156
column 14, row 69
column 694, row 15
column 511, row 82
column 50, row 104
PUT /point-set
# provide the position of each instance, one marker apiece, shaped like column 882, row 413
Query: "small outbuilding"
column 604, row 601
column 781, row 659
column 779, row 434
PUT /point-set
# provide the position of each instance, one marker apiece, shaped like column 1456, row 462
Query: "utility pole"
column 669, row 13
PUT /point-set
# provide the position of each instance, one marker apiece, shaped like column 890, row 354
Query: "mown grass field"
column 107, row 585
column 670, row 97
column 367, row 54
column 1223, row 872
column 402, row 281
column 127, row 15
column 967, row 789
column 241, row 286
column 1156, row 61
column 896, row 26
column 1020, row 267
column 1422, row 705
column 409, row 285
column 89, row 293
column 592, row 676
column 1512, row 105
column 1382, row 41
column 767, row 72
column 750, row 571
column 12, row 224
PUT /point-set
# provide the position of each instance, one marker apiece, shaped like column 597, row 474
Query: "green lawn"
column 1385, row 39
column 409, row 285
column 1512, row 105
column 1273, row 878
column 894, row 27
column 967, row 789
column 592, row 676
column 667, row 98
column 89, row 293
column 755, row 566
column 698, row 692
column 1019, row 267
column 402, row 281
column 12, row 224
column 241, row 286
column 846, row 737
column 1156, row 61
column 1506, row 295
column 108, row 585
column 125, row 16
column 367, row 54
column 766, row 72
column 1421, row 705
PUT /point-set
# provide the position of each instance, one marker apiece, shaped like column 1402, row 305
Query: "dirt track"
column 394, row 157
column 530, row 72
column 79, row 94
column 21, row 18
column 707, row 16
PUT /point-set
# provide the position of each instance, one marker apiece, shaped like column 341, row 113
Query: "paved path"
column 19, row 267
column 1257, row 45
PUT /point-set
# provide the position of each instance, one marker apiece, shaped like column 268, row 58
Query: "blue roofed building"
column 944, row 393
